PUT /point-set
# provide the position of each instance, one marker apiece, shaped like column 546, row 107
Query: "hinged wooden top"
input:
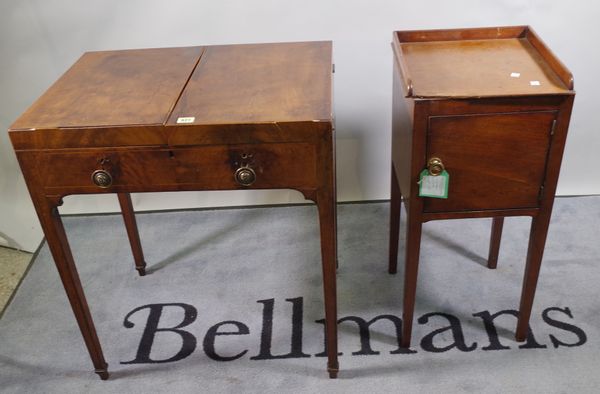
column 114, row 88
column 135, row 97
column 462, row 63
column 259, row 83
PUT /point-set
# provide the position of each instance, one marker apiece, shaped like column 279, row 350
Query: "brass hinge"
column 541, row 193
column 553, row 127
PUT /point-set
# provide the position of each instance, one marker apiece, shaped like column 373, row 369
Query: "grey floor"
column 13, row 265
column 233, row 279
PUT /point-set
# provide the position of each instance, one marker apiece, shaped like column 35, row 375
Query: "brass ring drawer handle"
column 435, row 166
column 102, row 178
column 245, row 176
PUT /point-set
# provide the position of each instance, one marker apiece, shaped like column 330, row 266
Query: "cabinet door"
column 495, row 161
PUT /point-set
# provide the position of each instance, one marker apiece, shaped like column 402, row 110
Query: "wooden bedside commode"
column 480, row 118
column 201, row 118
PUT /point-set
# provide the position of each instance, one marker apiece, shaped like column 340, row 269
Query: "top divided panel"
column 481, row 62
column 258, row 83
column 114, row 88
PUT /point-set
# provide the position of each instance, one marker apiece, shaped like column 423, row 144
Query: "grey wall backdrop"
column 39, row 39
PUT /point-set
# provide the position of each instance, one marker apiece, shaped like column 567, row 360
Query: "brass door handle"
column 245, row 176
column 435, row 166
column 102, row 178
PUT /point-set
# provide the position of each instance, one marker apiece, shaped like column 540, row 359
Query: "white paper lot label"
column 187, row 119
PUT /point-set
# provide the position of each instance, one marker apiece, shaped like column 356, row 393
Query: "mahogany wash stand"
column 491, row 106
column 199, row 118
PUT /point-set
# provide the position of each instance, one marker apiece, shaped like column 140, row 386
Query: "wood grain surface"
column 494, row 161
column 479, row 67
column 114, row 88
column 479, row 62
column 259, row 83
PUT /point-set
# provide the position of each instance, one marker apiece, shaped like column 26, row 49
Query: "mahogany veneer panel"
column 114, row 88
column 287, row 82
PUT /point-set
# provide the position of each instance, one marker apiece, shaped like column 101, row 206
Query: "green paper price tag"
column 433, row 186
